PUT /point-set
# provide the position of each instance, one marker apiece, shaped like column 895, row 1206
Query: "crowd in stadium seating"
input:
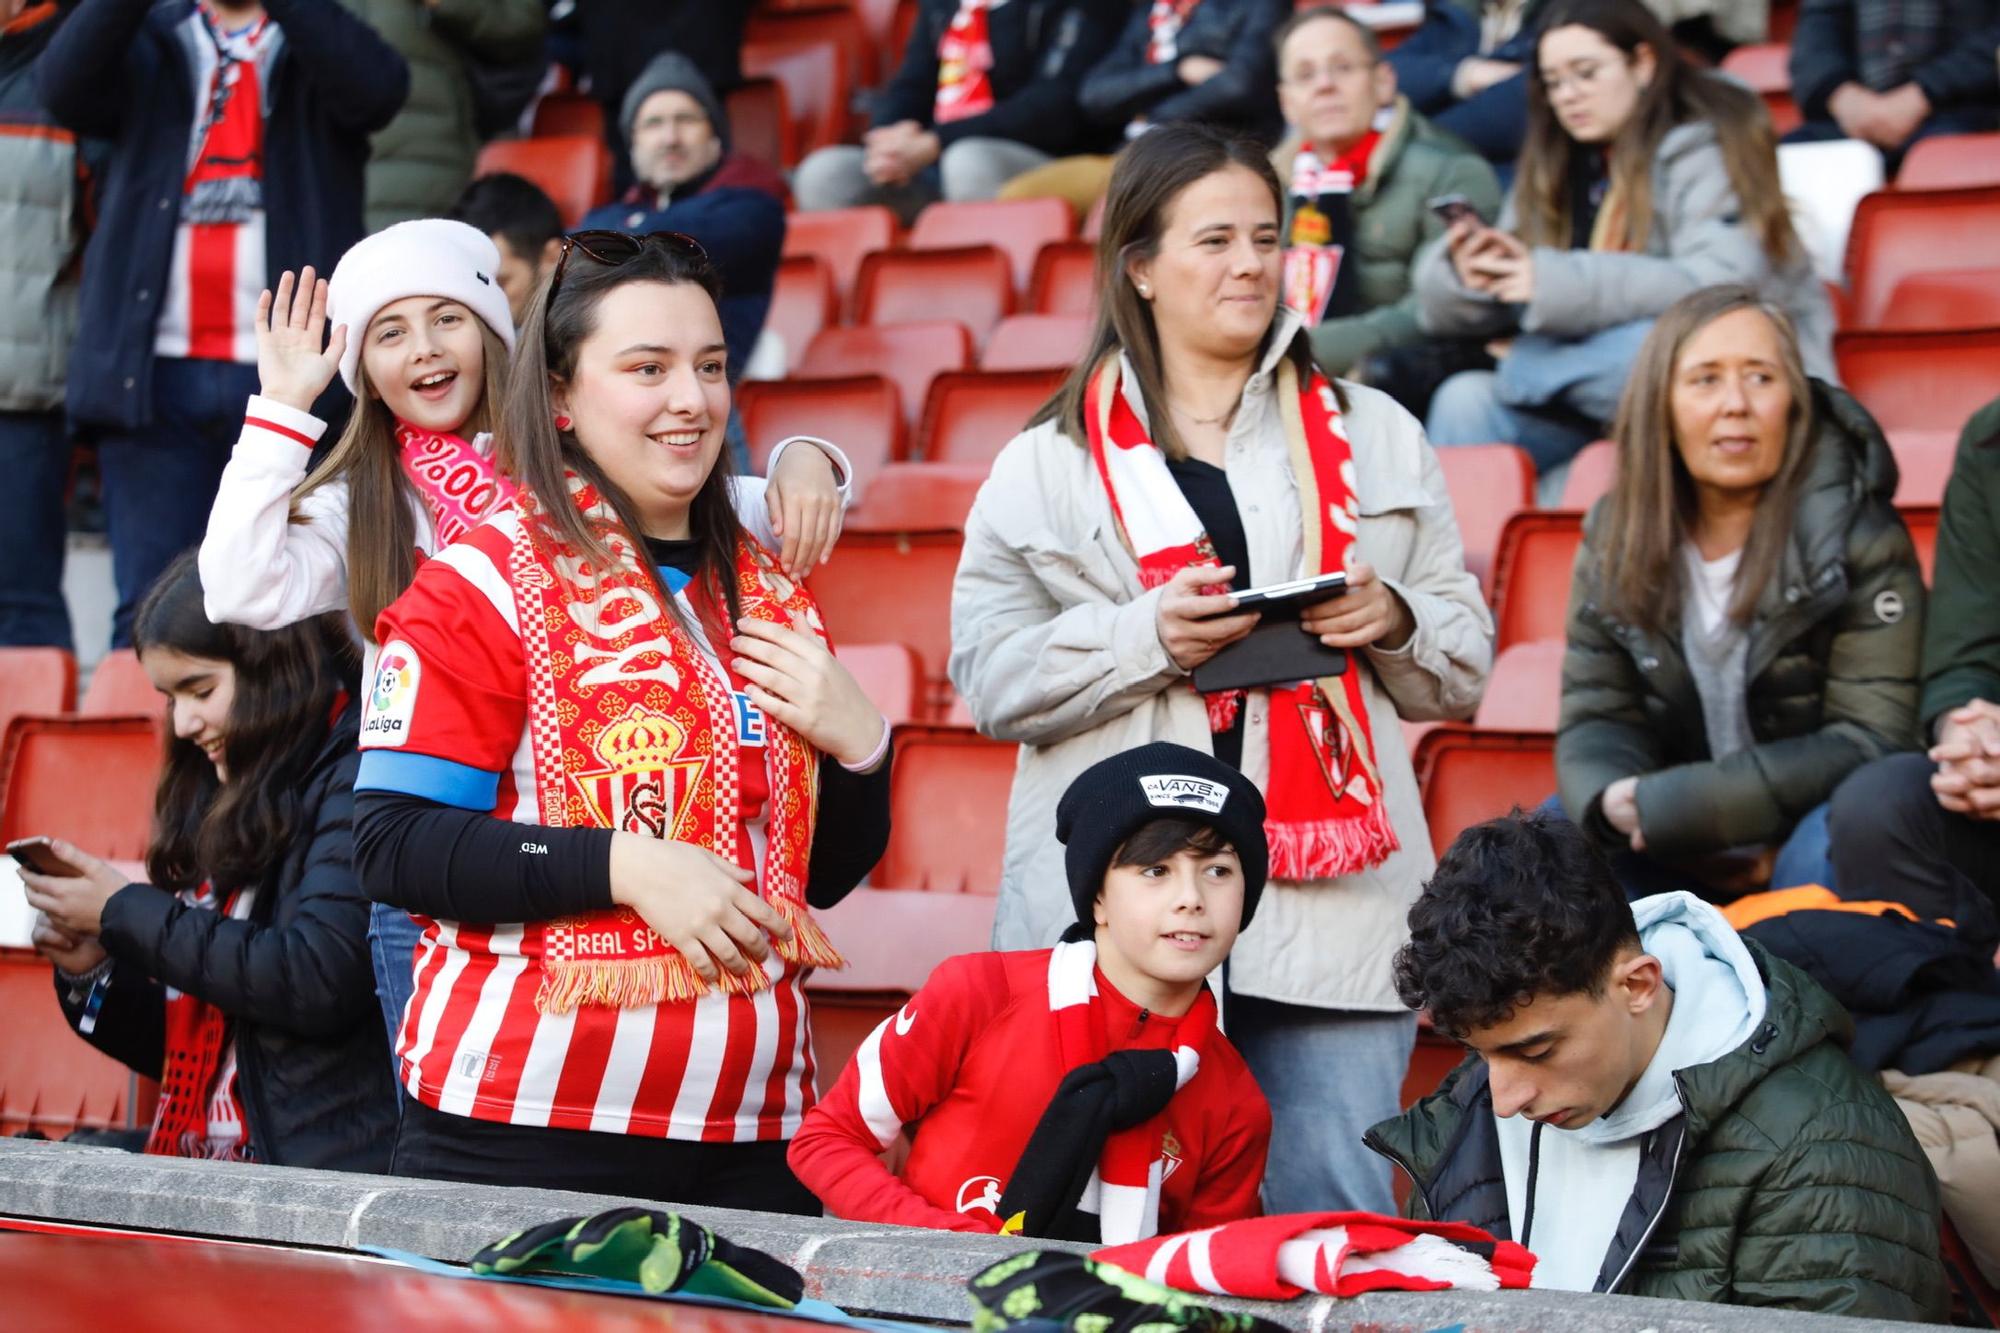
column 514, row 790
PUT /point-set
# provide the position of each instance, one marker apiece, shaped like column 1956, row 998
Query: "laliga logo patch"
column 1179, row 791
column 980, row 1192
column 392, row 698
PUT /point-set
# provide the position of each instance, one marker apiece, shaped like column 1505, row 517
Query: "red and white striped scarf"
column 1124, row 1191
column 458, row 482
column 965, row 65
column 200, row 1113
column 1333, row 1254
column 1324, row 814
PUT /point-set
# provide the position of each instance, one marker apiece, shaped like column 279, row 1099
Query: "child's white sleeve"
column 258, row 567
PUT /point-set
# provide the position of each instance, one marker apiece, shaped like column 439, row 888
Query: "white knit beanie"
column 427, row 257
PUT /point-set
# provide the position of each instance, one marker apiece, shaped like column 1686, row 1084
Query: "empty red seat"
column 973, row 285
column 88, row 780
column 909, row 356
column 569, row 114
column 51, row 1080
column 860, row 414
column 1037, row 342
column 803, row 301
column 948, row 811
column 1524, row 693
column 837, row 24
column 1960, row 298
column 118, row 684
column 1489, row 483
column 1020, row 227
column 36, row 680
column 1093, row 223
column 1765, row 68
column 1468, row 777
column 814, row 75
column 1922, row 521
column 1923, row 464
column 971, row 414
column 1531, row 576
column 1900, row 232
column 1065, row 280
column 573, row 170
column 841, row 237
column 889, row 674
column 1913, row 380
column 760, row 122
column 1590, row 475
column 1951, row 161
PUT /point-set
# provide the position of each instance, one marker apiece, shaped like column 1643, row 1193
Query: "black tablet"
column 1281, row 599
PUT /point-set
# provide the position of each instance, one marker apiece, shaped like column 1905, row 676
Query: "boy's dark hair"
column 1521, row 906
column 1154, row 842
column 504, row 204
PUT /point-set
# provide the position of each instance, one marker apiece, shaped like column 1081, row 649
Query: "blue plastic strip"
column 442, row 780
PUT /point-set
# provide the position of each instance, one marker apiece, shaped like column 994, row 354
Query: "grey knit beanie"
column 672, row 72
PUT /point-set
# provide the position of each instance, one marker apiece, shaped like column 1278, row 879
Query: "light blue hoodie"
column 1584, row 1177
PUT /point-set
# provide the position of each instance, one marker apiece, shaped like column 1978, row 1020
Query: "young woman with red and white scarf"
column 1196, row 433
column 610, row 762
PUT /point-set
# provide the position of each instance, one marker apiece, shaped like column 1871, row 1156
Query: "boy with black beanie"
column 1083, row 1092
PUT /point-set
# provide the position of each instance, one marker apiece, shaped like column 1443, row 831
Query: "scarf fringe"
column 1330, row 848
column 809, row 945
column 1222, row 709
column 633, row 983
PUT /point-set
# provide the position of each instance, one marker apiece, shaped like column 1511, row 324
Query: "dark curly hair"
column 1520, row 906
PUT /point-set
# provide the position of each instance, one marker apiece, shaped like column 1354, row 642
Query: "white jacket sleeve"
column 258, row 567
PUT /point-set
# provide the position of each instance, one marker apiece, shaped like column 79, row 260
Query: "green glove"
column 660, row 1251
column 1047, row 1291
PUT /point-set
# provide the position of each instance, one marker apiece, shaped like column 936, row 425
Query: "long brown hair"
column 1678, row 94
column 1149, row 175
column 1651, row 510
column 287, row 681
column 381, row 531
column 539, row 456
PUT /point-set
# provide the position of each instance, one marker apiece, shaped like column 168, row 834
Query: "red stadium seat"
column 1524, row 693
column 1951, row 161
column 1590, row 475
column 909, row 356
column 1489, row 483
column 1468, row 777
column 860, row 414
column 1900, row 232
column 1961, row 298
column 889, row 674
column 1065, row 281
column 118, row 684
column 973, row 285
column 760, row 122
column 821, row 23
column 1020, row 227
column 1922, row 521
column 1531, row 576
column 814, row 75
column 85, row 779
column 1923, row 464
column 803, row 301
column 1037, row 342
column 1765, row 67
column 841, row 237
column 971, row 414
column 1919, row 381
column 36, row 680
column 573, row 171
column 948, row 812
column 1093, row 223
column 51, row 1081
column 578, row 114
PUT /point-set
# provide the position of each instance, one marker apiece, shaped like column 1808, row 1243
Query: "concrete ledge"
column 892, row 1271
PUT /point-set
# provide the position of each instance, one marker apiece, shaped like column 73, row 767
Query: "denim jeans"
column 1805, row 857
column 392, row 948
column 34, row 459
column 1551, row 396
column 1330, row 1076
column 160, row 480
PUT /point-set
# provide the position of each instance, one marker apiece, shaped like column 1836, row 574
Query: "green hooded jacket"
column 1962, row 634
column 1789, row 1180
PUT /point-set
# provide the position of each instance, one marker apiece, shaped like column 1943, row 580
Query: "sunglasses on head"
column 612, row 248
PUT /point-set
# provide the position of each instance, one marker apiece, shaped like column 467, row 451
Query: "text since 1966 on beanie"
column 1116, row 797
column 424, row 257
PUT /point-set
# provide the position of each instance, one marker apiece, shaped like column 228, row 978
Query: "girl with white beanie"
column 422, row 334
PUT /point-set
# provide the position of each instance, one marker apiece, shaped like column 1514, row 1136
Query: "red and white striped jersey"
column 447, row 719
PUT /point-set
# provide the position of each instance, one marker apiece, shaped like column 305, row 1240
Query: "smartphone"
column 1449, row 208
column 38, row 855
column 1278, row 599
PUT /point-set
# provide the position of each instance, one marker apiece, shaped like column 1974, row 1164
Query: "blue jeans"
column 34, row 459
column 1493, row 121
column 1330, row 1076
column 160, row 480
column 1551, row 396
column 392, row 948
column 1805, row 857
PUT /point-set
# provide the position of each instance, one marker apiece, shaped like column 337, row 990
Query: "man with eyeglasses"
column 1362, row 168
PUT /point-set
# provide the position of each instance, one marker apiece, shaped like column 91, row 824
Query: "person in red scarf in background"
column 236, row 972
column 1361, row 168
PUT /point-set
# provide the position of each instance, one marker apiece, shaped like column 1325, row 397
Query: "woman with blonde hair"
column 1746, row 614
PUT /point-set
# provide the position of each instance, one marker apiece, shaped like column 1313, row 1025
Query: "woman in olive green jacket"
column 1746, row 612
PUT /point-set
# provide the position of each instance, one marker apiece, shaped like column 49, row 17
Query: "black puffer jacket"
column 1832, row 667
column 312, row 1060
column 1124, row 84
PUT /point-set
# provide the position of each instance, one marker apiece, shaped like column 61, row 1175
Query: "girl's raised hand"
column 804, row 499
column 292, row 368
